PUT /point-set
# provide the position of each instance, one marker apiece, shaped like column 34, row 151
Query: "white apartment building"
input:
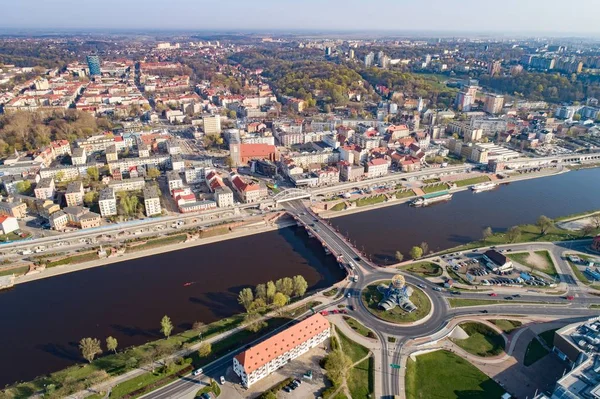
column 133, row 184
column 107, row 202
column 212, row 124
column 195, row 175
column 177, row 163
column 152, row 201
column 224, row 197
column 266, row 357
column 174, row 180
column 79, row 156
column 377, row 167
column 45, row 188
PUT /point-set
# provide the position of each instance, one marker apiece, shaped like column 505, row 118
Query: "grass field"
column 74, row 259
column 16, row 271
column 370, row 200
column 545, row 264
column 158, row 242
column 147, row 379
column 471, row 181
column 507, row 326
column 461, row 303
column 425, row 269
column 371, row 298
column 360, row 380
column 444, row 375
column 482, row 341
column 435, row 188
column 359, row 327
column 340, row 206
column 405, row 194
column 354, row 350
column 535, row 351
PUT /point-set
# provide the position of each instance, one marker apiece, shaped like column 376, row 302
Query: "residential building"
column 350, row 172
column 79, row 156
column 58, row 221
column 249, row 191
column 493, row 103
column 494, row 68
column 259, row 361
column 464, row 101
column 8, row 224
column 107, row 202
column 197, row 206
column 328, row 176
column 15, row 209
column 76, row 216
column 93, row 62
column 195, row 175
column 174, row 180
column 377, row 167
column 472, row 135
column 132, row 184
column 9, row 183
column 173, row 147
column 212, row 124
column 74, row 194
column 152, row 201
column 111, row 153
column 177, row 163
column 224, row 197
column 61, row 173
column 45, row 207
column 45, row 188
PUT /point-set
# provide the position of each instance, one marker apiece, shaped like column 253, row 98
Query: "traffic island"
column 372, row 297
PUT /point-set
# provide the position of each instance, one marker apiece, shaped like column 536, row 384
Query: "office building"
column 93, row 62
column 262, row 359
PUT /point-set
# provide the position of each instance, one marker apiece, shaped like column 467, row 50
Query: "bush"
column 371, row 334
column 334, row 343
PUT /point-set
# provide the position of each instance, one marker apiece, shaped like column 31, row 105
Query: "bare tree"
column 487, row 233
column 90, row 347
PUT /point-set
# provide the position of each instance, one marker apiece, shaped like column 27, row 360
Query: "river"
column 381, row 232
column 43, row 321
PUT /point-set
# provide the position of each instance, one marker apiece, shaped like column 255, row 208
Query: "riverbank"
column 328, row 214
column 70, row 268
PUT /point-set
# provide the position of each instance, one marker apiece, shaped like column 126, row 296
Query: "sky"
column 501, row 16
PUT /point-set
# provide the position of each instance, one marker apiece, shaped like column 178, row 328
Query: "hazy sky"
column 544, row 16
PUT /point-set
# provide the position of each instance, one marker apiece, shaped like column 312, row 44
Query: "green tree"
column 399, row 256
column 544, row 223
column 280, row 300
column 205, row 349
column 93, row 173
column 254, row 322
column 111, row 344
column 59, row 176
column 271, row 291
column 129, row 204
column 260, row 292
column 285, row 286
column 153, row 173
column 245, row 298
column 90, row 347
column 513, row 234
column 416, row 252
column 337, row 364
column 90, row 198
column 131, row 362
column 229, row 162
column 486, row 233
column 166, row 327
column 300, row 285
column 23, row 187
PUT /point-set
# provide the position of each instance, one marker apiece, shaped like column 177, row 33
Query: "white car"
column 197, row 372
column 222, row 379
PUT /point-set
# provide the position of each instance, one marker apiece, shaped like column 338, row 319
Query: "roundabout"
column 396, row 302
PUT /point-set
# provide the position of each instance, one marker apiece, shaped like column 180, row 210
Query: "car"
column 287, row 389
column 357, row 258
column 517, row 296
column 509, row 298
column 422, row 286
column 324, row 313
column 222, row 379
column 350, row 307
column 205, row 396
column 297, row 381
column 570, row 297
column 348, row 295
column 335, row 311
column 197, row 372
column 437, row 289
column 493, row 294
column 292, row 386
column 484, row 311
column 455, row 292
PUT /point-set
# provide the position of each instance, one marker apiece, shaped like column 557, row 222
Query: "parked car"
column 197, row 372
column 222, row 379
column 493, row 294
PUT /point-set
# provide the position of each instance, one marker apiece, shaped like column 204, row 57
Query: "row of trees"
column 415, row 252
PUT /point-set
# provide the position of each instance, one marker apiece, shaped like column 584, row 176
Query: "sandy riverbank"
column 63, row 269
column 346, row 212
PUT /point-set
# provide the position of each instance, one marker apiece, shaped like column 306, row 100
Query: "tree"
column 205, row 349
column 166, row 326
column 93, row 173
column 513, row 234
column 23, row 187
column 271, row 291
column 129, row 204
column 153, row 173
column 486, row 233
column 245, row 298
column 300, row 285
column 285, row 286
column 90, row 347
column 595, row 220
column 425, row 247
column 90, row 198
column 399, row 256
column 199, row 327
column 229, row 162
column 254, row 322
column 168, row 365
column 257, row 305
column 280, row 300
column 587, row 230
column 111, row 344
column 260, row 292
column 544, row 223
column 131, row 362
column 416, row 252
column 337, row 364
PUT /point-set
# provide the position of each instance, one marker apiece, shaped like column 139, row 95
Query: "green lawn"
column 425, row 269
column 156, row 380
column 594, row 306
column 16, row 271
column 176, row 239
column 340, row 206
column 354, row 350
column 370, row 200
column 524, row 259
column 507, row 325
column 535, row 351
column 431, row 181
column 482, row 341
column 359, row 327
column 444, row 375
column 371, row 298
column 461, row 303
column 360, row 380
column 331, row 292
column 405, row 194
column 435, row 188
column 472, row 181
column 74, row 259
